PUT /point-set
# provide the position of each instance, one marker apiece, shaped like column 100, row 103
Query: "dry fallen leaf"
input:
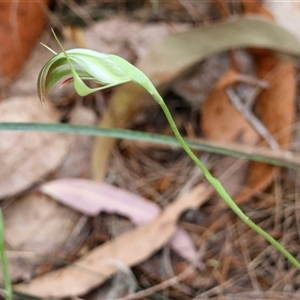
column 19, row 33
column 255, row 7
column 275, row 107
column 111, row 36
column 28, row 156
column 91, row 198
column 131, row 248
column 36, row 229
column 221, row 121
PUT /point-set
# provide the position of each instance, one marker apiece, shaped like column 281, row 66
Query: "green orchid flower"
column 78, row 65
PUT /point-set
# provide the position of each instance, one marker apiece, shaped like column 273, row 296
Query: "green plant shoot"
column 4, row 262
column 111, row 70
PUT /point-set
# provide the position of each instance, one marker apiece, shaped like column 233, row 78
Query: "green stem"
column 258, row 154
column 216, row 184
column 5, row 269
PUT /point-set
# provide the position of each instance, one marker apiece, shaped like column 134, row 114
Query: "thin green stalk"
column 154, row 4
column 216, row 184
column 263, row 155
column 5, row 269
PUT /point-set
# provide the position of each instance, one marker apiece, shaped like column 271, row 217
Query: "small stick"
column 250, row 116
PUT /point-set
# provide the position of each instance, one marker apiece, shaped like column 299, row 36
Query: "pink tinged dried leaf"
column 91, row 198
column 183, row 245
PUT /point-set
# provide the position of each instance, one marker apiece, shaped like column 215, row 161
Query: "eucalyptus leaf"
column 178, row 52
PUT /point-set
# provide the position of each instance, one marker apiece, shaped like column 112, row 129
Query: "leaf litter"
column 92, row 198
column 20, row 36
column 28, row 157
column 32, row 248
column 131, row 248
column 226, row 254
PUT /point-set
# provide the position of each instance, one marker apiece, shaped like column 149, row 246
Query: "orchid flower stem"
column 110, row 70
column 216, row 184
